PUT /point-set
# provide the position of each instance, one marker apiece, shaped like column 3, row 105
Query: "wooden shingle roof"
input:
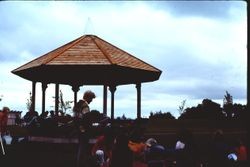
column 87, row 52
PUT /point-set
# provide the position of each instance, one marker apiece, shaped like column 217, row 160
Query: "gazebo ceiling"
column 88, row 60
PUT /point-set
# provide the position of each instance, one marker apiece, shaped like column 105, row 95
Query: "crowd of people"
column 116, row 147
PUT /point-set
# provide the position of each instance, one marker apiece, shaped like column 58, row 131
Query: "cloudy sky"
column 199, row 46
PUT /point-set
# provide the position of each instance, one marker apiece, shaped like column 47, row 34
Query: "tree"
column 228, row 105
column 64, row 106
column 228, row 99
column 207, row 110
column 29, row 102
column 212, row 110
column 240, row 111
column 181, row 108
column 161, row 115
column 123, row 117
column 233, row 111
column 192, row 113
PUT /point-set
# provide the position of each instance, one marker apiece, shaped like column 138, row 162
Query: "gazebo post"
column 56, row 97
column 138, row 87
column 44, row 87
column 105, row 96
column 112, row 90
column 33, row 103
column 75, row 89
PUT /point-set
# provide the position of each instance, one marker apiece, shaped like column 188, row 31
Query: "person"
column 236, row 155
column 18, row 120
column 219, row 150
column 122, row 156
column 105, row 143
column 136, row 143
column 82, row 106
column 185, row 149
column 241, row 151
column 30, row 118
column 4, row 119
column 80, row 110
column 154, row 153
column 99, row 158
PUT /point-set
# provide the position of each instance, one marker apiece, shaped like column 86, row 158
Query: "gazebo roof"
column 88, row 60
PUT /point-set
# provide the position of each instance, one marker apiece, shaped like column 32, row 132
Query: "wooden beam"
column 105, row 97
column 33, row 103
column 138, row 87
column 112, row 90
column 75, row 89
column 44, row 87
column 56, row 98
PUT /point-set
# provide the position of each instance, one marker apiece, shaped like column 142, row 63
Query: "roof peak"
column 90, row 35
column 89, row 49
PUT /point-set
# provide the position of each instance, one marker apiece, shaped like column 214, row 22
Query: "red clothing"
column 137, row 148
column 139, row 164
column 101, row 145
column 3, row 121
column 241, row 152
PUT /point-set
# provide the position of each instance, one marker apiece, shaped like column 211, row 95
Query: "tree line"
column 208, row 109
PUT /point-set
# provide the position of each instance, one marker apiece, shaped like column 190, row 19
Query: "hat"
column 150, row 142
column 179, row 145
column 232, row 157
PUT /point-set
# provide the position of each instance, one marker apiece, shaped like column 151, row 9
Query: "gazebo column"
column 33, row 103
column 75, row 89
column 138, row 87
column 44, row 87
column 112, row 90
column 105, row 97
column 56, row 98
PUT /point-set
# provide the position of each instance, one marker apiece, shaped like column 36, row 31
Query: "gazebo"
column 88, row 60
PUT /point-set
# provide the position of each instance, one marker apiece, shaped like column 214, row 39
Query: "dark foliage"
column 161, row 115
column 207, row 110
column 211, row 110
column 235, row 111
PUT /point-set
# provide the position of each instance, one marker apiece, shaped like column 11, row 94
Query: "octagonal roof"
column 88, row 60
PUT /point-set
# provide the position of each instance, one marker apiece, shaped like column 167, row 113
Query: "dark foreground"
column 38, row 154
column 35, row 154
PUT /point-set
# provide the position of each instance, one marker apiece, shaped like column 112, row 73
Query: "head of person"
column 89, row 96
column 151, row 142
column 6, row 110
column 99, row 157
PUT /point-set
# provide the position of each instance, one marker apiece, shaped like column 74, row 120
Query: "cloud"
column 199, row 46
column 222, row 10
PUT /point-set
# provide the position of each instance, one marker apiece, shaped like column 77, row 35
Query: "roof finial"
column 89, row 28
